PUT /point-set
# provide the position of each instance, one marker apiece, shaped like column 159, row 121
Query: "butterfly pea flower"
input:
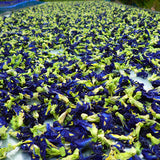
column 1, row 65
column 6, row 150
column 97, row 148
column 119, row 146
column 38, row 130
column 37, row 69
column 87, row 83
column 106, row 121
column 35, row 114
column 68, row 136
column 121, row 117
column 17, row 62
column 118, row 66
column 52, row 150
column 156, row 62
column 3, row 121
column 83, row 143
column 3, row 153
column 96, row 66
column 156, row 149
column 138, row 147
column 102, row 54
column 62, row 117
column 154, row 77
column 154, row 114
column 91, row 118
column 156, row 83
column 60, row 78
column 65, row 100
column 123, row 81
column 148, row 122
column 10, row 102
column 50, row 108
column 101, row 137
column 122, row 137
column 14, row 59
column 115, row 154
column 80, row 108
column 29, row 73
column 142, row 74
column 87, row 99
column 42, row 89
column 123, row 99
column 19, row 97
column 94, row 132
column 155, row 130
column 11, row 72
column 52, row 136
column 136, row 131
column 111, row 84
column 138, row 95
column 129, row 92
column 96, row 90
column 109, row 109
column 148, row 154
column 131, row 154
column 49, row 70
column 35, row 151
column 74, row 156
column 94, row 156
column 137, row 104
column 3, row 132
column 14, row 134
column 154, row 140
column 17, row 120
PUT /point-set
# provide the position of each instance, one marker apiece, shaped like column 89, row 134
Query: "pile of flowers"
column 71, row 62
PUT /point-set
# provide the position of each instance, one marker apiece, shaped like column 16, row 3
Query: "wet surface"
column 8, row 7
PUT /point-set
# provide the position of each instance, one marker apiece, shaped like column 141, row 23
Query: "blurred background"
column 147, row 4
column 10, row 5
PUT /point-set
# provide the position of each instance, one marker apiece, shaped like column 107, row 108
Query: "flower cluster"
column 71, row 62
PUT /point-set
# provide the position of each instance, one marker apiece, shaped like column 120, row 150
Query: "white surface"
column 16, row 154
column 56, row 52
column 147, row 84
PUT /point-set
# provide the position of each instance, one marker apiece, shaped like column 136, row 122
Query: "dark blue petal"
column 105, row 121
column 156, row 83
column 136, row 157
column 81, row 143
column 3, row 122
column 1, row 65
column 97, row 148
column 142, row 74
column 156, row 150
column 94, row 157
column 148, row 154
